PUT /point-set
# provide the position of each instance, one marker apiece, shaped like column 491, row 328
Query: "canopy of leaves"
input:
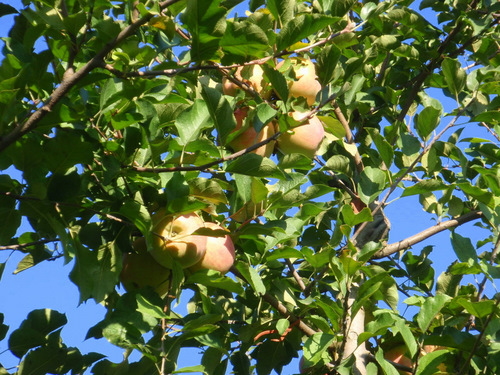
column 112, row 111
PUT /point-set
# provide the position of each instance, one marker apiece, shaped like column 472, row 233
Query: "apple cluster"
column 305, row 138
column 176, row 242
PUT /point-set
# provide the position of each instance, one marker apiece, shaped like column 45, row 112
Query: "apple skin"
column 256, row 80
column 219, row 255
column 173, row 239
column 140, row 270
column 305, row 84
column 304, row 139
column 249, row 137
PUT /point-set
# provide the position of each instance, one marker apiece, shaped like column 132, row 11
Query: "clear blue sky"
column 47, row 285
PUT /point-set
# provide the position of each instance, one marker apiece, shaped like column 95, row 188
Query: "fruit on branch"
column 140, row 270
column 303, row 139
column 399, row 356
column 174, row 241
column 219, row 255
column 305, row 84
column 255, row 80
column 249, row 136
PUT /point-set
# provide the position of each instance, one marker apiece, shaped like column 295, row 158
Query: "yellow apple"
column 249, row 137
column 303, row 139
column 219, row 255
column 173, row 239
column 140, row 270
column 305, row 84
column 256, row 80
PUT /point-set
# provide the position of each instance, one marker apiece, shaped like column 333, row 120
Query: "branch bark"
column 70, row 79
column 425, row 234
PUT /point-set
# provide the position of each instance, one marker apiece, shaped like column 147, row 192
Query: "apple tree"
column 293, row 127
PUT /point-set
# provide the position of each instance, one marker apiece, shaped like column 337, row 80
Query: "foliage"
column 113, row 110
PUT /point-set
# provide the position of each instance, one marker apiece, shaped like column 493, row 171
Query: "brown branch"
column 70, row 79
column 207, row 165
column 295, row 275
column 425, row 234
column 21, row 246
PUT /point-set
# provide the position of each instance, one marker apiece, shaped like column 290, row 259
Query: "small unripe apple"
column 255, row 81
column 249, row 137
column 140, row 270
column 219, row 255
column 305, row 84
column 173, row 239
column 303, row 139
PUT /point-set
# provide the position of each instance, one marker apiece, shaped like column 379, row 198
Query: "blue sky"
column 47, row 285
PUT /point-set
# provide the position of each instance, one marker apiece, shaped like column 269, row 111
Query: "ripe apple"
column 219, row 255
column 249, row 137
column 305, row 84
column 398, row 355
column 173, row 239
column 140, row 270
column 256, row 80
column 303, row 139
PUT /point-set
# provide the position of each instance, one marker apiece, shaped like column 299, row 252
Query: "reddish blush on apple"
column 173, row 239
column 249, row 136
column 305, row 84
column 219, row 255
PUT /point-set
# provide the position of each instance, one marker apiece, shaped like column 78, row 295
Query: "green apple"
column 305, row 84
column 249, row 136
column 140, row 270
column 219, row 255
column 303, row 139
column 174, row 241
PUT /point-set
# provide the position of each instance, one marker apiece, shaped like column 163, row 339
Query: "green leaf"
column 454, row 76
column 252, row 277
column 357, row 83
column 371, row 184
column 425, row 186
column 426, row 121
column 326, row 64
column 33, row 330
column 206, row 22
column 220, row 111
column 254, row 165
column 448, row 283
column 96, row 272
column 302, row 27
column 10, row 219
column 215, row 280
column 192, row 121
column 315, row 346
column 430, row 309
column 480, row 309
column 282, row 10
column 277, row 80
column 245, row 39
column 463, row 247
column 384, row 364
column 41, row 361
column 337, row 7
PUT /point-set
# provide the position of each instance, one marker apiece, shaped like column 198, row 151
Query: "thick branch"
column 70, row 79
column 425, row 234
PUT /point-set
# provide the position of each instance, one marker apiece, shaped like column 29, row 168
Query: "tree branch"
column 70, row 79
column 21, row 246
column 429, row 232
